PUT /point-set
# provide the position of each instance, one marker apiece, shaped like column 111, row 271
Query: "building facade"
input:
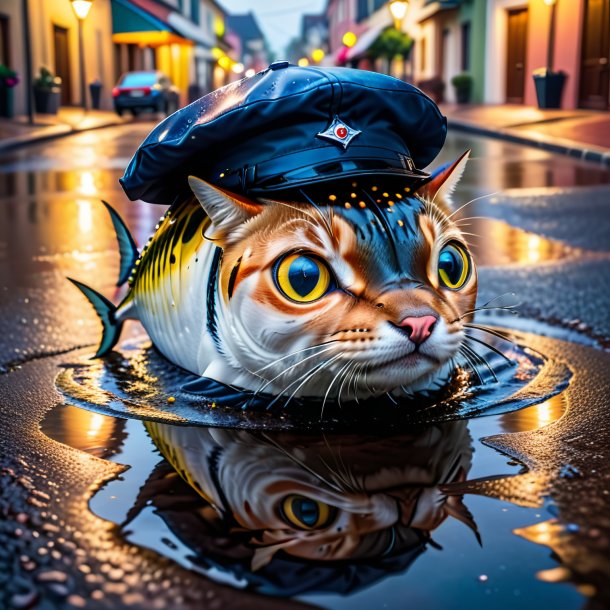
column 53, row 32
column 518, row 34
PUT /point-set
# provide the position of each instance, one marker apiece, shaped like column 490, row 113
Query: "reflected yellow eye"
column 305, row 513
column 302, row 278
column 453, row 266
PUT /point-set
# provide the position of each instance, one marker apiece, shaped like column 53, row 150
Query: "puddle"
column 136, row 382
column 318, row 517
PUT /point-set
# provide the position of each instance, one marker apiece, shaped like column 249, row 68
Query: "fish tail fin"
column 127, row 245
column 106, row 311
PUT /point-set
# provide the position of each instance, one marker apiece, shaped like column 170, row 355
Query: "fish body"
column 172, row 288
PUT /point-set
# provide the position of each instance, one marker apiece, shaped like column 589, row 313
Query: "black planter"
column 549, row 88
column 6, row 102
column 462, row 95
column 47, row 102
column 95, row 89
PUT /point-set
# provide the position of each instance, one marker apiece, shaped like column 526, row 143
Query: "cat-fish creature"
column 326, row 499
column 359, row 291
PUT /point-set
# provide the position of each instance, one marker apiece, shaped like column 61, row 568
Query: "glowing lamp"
column 237, row 68
column 317, row 55
column 303, row 62
column 349, row 39
column 398, row 9
column 81, row 8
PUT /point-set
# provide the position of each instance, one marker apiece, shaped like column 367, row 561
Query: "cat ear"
column 441, row 184
column 227, row 211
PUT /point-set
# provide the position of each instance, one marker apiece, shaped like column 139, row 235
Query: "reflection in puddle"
column 496, row 243
column 288, row 514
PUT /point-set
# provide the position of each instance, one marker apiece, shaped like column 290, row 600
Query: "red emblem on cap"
column 341, row 132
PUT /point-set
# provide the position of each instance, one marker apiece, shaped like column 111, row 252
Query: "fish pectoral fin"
column 106, row 312
column 127, row 245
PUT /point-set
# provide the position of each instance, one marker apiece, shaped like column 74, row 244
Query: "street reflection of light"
column 540, row 533
column 95, row 424
column 533, row 248
column 87, row 184
column 85, row 215
column 545, row 413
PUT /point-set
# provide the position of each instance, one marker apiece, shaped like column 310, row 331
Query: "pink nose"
column 418, row 328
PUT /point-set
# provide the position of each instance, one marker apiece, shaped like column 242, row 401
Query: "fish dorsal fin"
column 127, row 246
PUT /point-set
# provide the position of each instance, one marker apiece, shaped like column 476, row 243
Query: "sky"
column 279, row 20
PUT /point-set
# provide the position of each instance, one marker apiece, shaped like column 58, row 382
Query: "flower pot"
column 549, row 88
column 462, row 95
column 47, row 101
column 95, row 89
column 6, row 102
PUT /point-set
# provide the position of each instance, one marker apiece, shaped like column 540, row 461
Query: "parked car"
column 145, row 90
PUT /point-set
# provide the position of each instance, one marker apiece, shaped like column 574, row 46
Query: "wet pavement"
column 93, row 517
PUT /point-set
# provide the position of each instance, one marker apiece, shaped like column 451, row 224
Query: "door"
column 594, row 70
column 62, row 62
column 515, row 55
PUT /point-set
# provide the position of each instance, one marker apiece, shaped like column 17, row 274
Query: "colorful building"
column 518, row 34
column 498, row 43
column 183, row 39
column 53, row 33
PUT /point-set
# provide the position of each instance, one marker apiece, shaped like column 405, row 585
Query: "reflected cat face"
column 323, row 499
column 362, row 294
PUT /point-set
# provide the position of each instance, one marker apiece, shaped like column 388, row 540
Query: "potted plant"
column 549, row 87
column 462, row 83
column 8, row 80
column 47, row 92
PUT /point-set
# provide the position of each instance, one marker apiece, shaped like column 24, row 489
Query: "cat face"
column 361, row 294
column 324, row 499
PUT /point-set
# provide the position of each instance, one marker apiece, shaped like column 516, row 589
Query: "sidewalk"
column 17, row 132
column 584, row 134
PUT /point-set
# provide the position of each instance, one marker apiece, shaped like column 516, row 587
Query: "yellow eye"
column 453, row 266
column 302, row 278
column 306, row 513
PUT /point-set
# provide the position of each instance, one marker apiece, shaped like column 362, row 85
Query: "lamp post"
column 551, row 46
column 81, row 10
column 398, row 10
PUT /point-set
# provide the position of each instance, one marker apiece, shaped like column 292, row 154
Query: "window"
column 195, row 11
column 465, row 46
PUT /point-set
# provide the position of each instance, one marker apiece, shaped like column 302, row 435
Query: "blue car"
column 145, row 90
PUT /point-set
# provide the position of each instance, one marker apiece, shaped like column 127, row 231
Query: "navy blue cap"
column 288, row 127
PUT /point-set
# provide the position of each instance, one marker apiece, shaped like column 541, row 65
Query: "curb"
column 572, row 149
column 10, row 144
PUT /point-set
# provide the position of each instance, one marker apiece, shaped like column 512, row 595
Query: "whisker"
column 492, row 348
column 330, row 386
column 316, row 369
column 496, row 333
column 482, row 360
column 301, row 463
column 296, row 352
column 472, row 201
column 471, row 364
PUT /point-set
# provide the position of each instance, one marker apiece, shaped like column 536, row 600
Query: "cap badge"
column 339, row 132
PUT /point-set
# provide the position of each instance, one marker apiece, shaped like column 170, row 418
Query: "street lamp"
column 550, row 48
column 398, row 10
column 81, row 10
